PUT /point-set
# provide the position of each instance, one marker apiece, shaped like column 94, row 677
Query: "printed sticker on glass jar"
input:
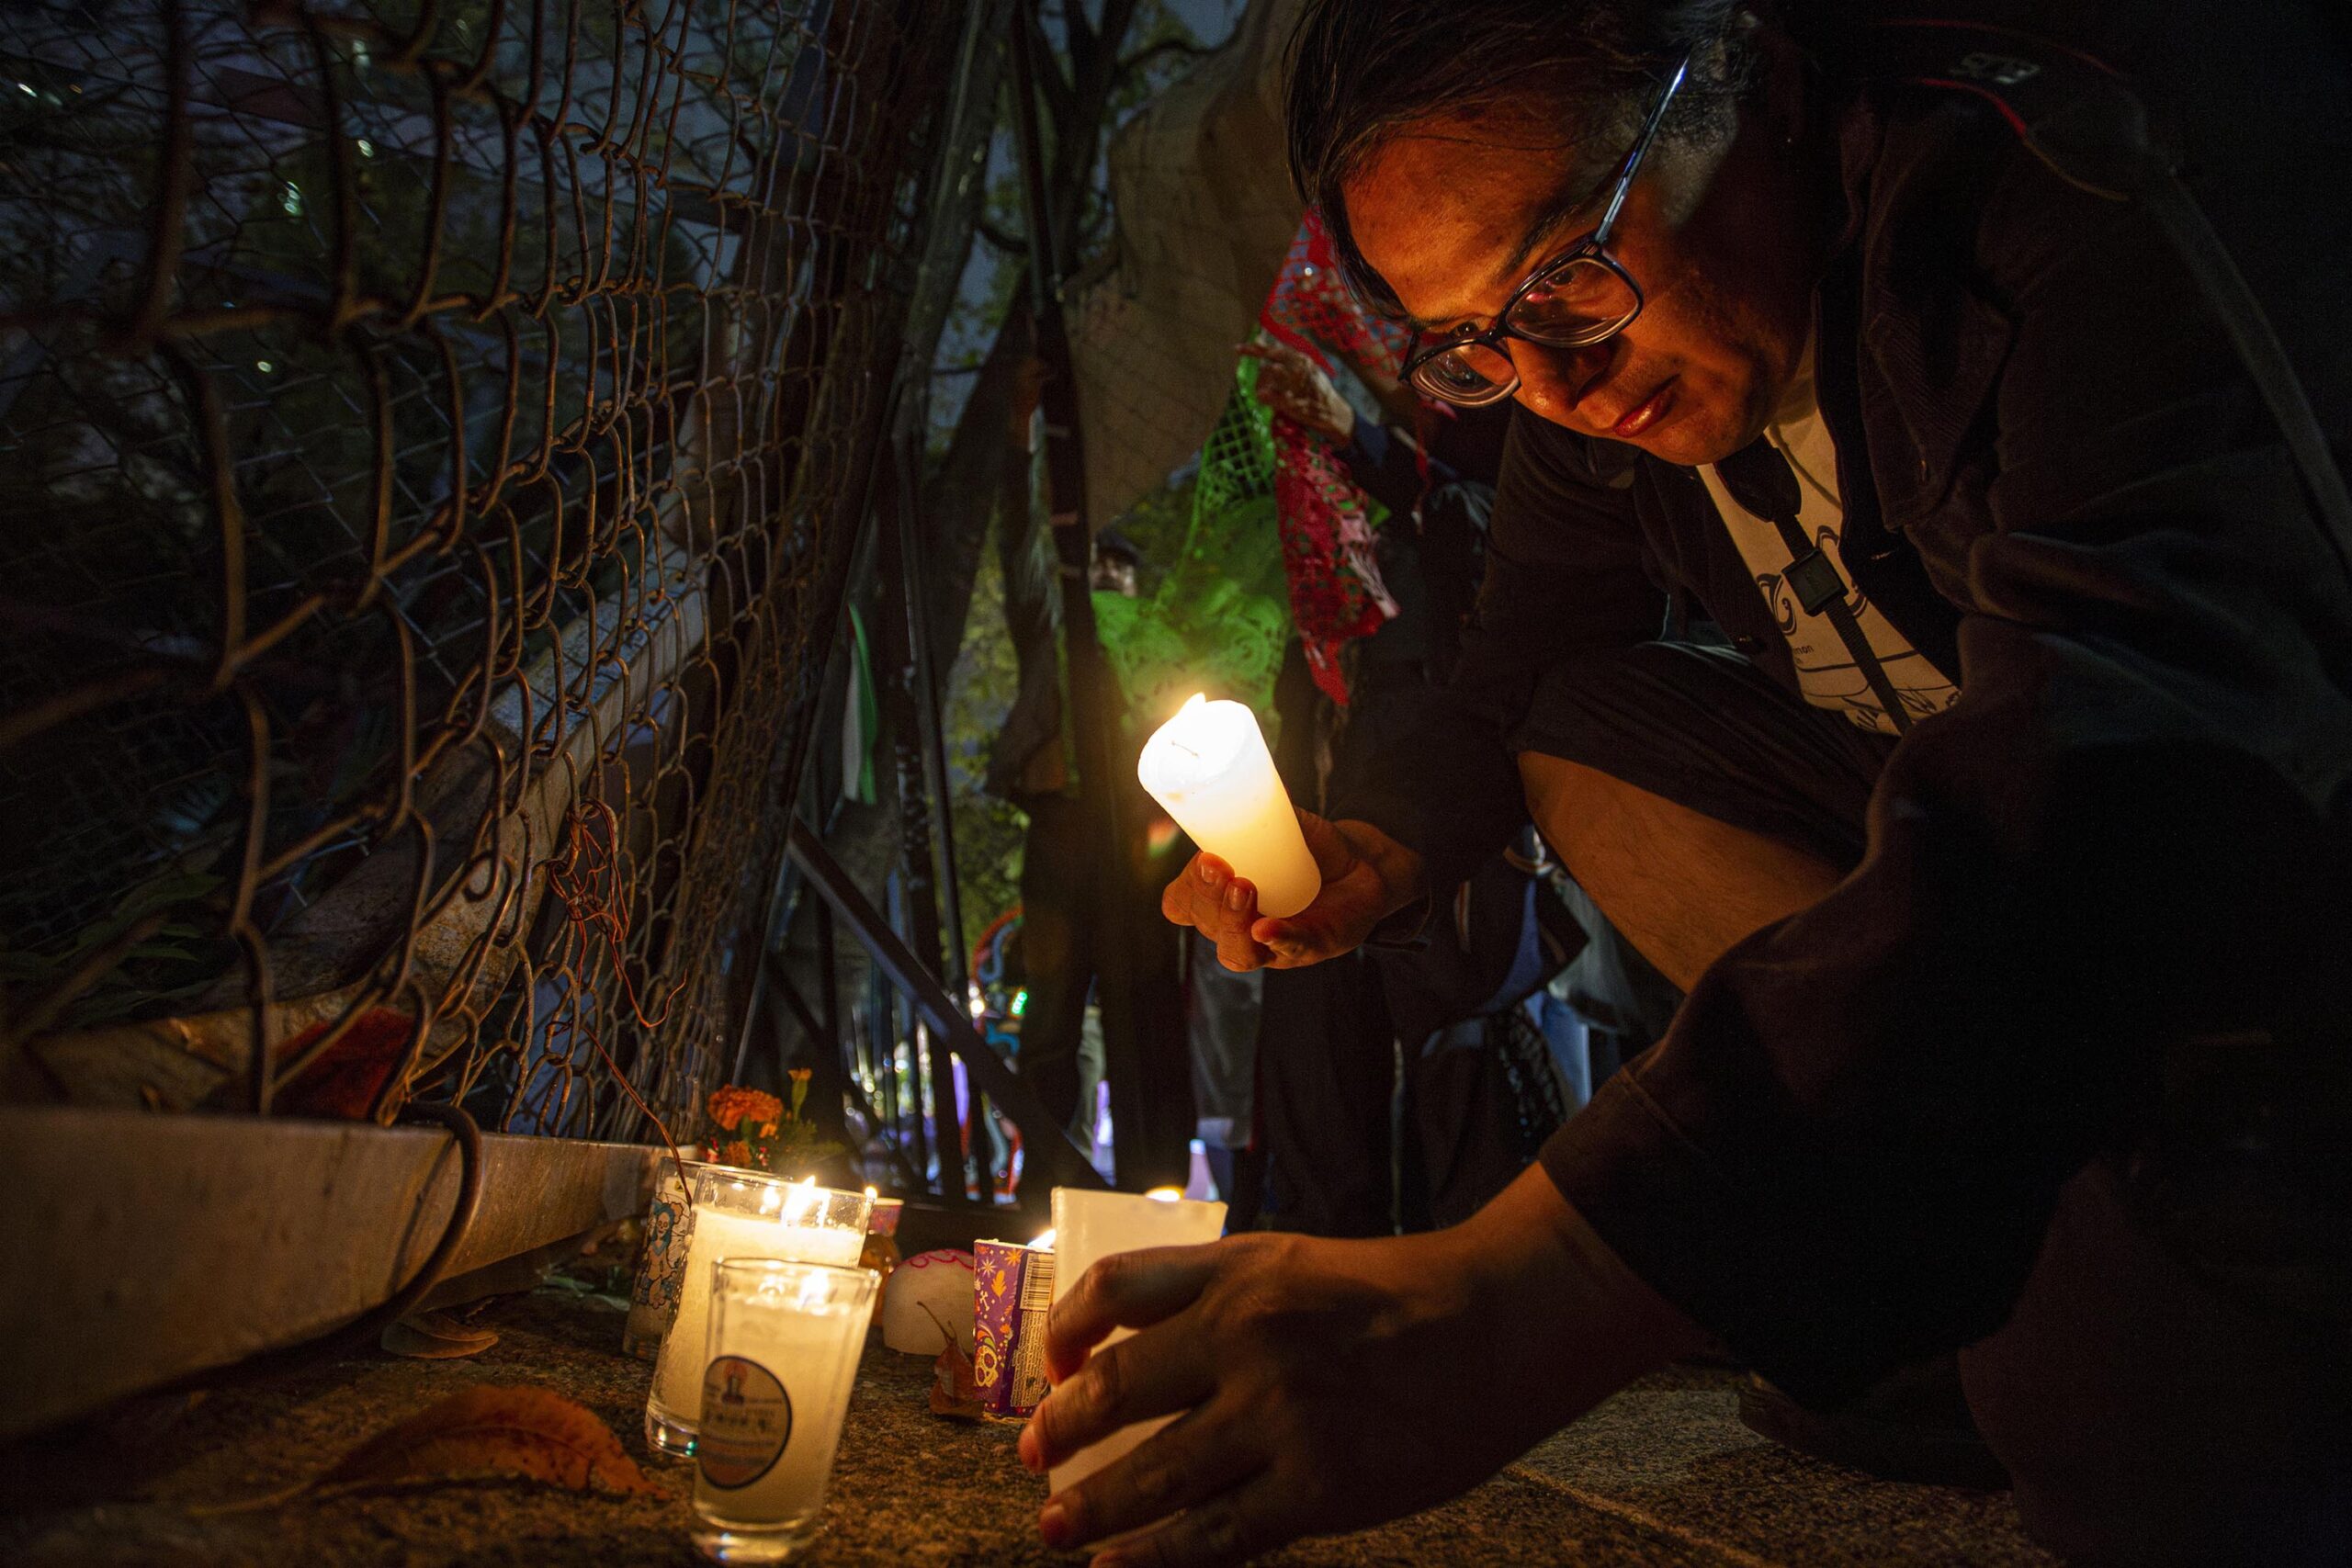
column 746, row 1422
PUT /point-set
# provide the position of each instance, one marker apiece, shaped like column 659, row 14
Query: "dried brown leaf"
column 954, row 1386
column 495, row 1430
column 488, row 1431
column 436, row 1337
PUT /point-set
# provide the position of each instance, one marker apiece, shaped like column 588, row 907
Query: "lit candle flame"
column 1197, row 700
column 1045, row 1242
column 1165, row 1194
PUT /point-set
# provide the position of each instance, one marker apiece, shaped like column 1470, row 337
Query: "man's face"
column 1114, row 574
column 1451, row 213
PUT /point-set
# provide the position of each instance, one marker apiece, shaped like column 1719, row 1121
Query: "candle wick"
column 1186, row 749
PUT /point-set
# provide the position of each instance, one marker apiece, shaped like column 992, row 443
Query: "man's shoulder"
column 1973, row 182
column 2003, row 107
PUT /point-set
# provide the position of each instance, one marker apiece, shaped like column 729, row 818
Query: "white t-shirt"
column 1828, row 673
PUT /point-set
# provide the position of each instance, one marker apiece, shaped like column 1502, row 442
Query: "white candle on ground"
column 1090, row 1227
column 781, row 1360
column 1209, row 767
column 741, row 1215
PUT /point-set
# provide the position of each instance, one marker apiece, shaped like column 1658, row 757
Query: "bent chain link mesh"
column 425, row 438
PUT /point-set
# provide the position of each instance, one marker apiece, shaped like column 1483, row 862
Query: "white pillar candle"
column 777, row 1370
column 1210, row 768
column 739, row 1215
column 1090, row 1227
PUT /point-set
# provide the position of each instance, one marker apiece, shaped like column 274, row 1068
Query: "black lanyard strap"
column 1761, row 480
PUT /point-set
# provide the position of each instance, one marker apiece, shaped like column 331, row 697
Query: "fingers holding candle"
column 1366, row 876
column 1230, row 1528
column 1119, row 1385
column 1221, row 907
column 1126, row 1289
column 1231, row 1331
column 1209, row 768
column 1206, row 1460
column 1202, row 1465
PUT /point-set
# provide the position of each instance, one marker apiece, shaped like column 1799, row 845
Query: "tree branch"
column 1079, row 29
column 1165, row 46
column 1060, row 96
column 1118, row 16
column 1093, row 73
column 1011, row 244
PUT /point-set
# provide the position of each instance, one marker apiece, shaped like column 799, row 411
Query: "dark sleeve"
column 1386, row 469
column 1844, row 1153
column 1563, row 575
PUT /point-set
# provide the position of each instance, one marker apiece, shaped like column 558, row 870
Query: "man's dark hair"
column 1362, row 69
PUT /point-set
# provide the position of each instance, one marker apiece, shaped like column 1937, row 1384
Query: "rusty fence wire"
column 432, row 442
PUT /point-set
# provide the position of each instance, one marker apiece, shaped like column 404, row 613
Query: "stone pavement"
column 1662, row 1475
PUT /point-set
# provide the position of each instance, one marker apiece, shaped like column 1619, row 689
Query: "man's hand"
column 1332, row 1384
column 1290, row 383
column 1367, row 876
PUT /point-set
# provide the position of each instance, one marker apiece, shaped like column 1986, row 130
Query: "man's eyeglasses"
column 1579, row 298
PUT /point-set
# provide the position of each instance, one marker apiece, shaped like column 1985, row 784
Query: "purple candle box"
column 1012, row 1287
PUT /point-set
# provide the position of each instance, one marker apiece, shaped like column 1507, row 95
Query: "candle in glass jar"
column 1090, row 1227
column 777, row 1371
column 741, row 1215
column 1210, row 768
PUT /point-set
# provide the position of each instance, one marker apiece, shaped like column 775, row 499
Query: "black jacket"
column 2061, row 485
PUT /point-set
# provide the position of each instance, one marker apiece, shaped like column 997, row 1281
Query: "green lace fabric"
column 1217, row 621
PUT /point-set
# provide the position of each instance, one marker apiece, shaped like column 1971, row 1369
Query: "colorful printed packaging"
column 996, row 1314
column 1012, row 1287
column 1029, row 1383
column 653, row 1296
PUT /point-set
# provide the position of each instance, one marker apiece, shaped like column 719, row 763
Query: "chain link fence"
column 432, row 441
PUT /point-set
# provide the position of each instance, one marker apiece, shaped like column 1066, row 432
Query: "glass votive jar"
column 740, row 1214
column 881, row 1252
column 783, row 1348
column 654, row 1294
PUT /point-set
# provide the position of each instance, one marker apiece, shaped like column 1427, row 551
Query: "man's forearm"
column 1559, row 1305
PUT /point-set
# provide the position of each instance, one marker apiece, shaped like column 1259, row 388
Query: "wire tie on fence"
column 589, row 910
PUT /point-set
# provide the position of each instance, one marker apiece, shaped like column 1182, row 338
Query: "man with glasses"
column 1920, row 613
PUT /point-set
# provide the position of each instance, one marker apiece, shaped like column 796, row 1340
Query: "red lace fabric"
column 1336, row 593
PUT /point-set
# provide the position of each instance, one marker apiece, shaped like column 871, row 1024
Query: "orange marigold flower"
column 731, row 1105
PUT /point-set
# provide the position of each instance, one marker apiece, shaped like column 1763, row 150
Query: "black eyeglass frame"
column 1593, row 247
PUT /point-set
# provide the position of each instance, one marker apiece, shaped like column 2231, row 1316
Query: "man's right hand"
column 1332, row 1384
column 1367, row 876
